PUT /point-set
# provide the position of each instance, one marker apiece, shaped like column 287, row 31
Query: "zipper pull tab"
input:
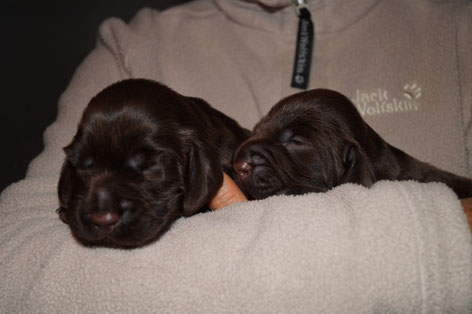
column 304, row 48
column 300, row 5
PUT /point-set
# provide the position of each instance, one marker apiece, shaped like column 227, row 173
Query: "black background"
column 42, row 42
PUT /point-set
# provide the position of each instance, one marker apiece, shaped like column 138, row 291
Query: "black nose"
column 249, row 156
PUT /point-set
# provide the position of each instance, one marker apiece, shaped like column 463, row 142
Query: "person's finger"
column 467, row 205
column 229, row 193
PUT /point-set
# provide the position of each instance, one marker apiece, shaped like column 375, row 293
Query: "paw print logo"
column 299, row 79
column 412, row 91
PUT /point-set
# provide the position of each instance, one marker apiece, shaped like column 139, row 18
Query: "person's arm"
column 464, row 56
column 467, row 205
column 229, row 193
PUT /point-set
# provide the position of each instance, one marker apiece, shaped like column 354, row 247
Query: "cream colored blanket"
column 397, row 247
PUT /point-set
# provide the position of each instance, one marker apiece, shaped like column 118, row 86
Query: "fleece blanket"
column 397, row 247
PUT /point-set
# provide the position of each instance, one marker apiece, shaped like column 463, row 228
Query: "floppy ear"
column 203, row 178
column 357, row 166
column 64, row 189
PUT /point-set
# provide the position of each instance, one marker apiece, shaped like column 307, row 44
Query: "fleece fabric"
column 394, row 248
column 398, row 247
column 405, row 64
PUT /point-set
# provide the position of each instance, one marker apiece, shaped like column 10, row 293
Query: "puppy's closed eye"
column 295, row 142
column 87, row 163
column 147, row 163
column 137, row 162
column 154, row 166
column 292, row 139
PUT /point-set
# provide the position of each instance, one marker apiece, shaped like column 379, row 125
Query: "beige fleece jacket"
column 405, row 64
column 397, row 247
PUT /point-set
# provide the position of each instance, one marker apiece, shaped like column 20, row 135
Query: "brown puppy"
column 142, row 157
column 315, row 140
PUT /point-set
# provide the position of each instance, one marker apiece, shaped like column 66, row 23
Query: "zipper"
column 300, row 5
column 304, row 47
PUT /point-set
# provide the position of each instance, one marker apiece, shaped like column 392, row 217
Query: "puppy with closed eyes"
column 142, row 157
column 315, row 140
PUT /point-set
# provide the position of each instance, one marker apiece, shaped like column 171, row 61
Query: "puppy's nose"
column 109, row 208
column 104, row 219
column 247, row 158
column 242, row 168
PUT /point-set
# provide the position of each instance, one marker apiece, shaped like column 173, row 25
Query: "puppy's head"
column 136, row 164
column 308, row 142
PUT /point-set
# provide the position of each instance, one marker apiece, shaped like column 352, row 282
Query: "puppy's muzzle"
column 108, row 207
column 247, row 158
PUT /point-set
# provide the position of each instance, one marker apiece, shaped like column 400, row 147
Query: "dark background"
column 42, row 42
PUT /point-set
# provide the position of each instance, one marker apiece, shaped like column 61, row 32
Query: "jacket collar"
column 329, row 16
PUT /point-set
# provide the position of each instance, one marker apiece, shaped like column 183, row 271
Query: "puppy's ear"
column 203, row 178
column 356, row 166
column 65, row 189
